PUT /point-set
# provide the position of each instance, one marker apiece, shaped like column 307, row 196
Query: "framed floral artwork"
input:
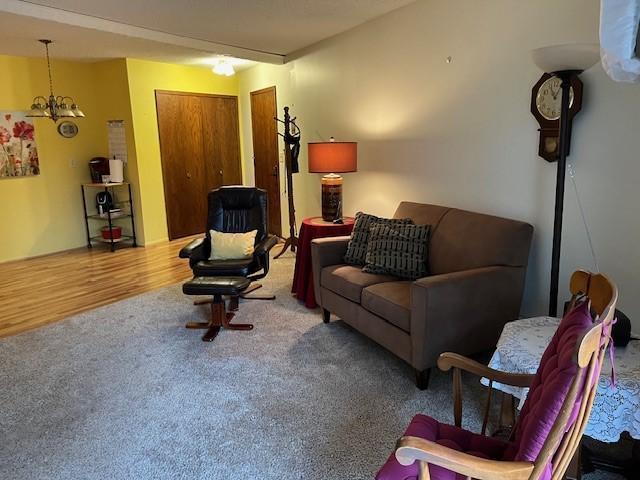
column 18, row 152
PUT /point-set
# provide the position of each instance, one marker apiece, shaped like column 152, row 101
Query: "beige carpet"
column 125, row 392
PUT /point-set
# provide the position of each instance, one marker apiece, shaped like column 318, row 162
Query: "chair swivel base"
column 253, row 288
column 233, row 300
column 217, row 288
column 220, row 318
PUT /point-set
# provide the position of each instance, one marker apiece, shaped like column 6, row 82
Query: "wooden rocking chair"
column 552, row 421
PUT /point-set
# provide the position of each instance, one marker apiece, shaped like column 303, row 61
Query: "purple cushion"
column 448, row 435
column 550, row 387
column 548, row 390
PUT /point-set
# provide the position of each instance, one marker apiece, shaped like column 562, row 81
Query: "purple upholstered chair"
column 550, row 425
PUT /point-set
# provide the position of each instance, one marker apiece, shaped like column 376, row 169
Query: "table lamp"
column 564, row 62
column 332, row 158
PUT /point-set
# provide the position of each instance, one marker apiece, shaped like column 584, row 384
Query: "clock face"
column 67, row 129
column 549, row 98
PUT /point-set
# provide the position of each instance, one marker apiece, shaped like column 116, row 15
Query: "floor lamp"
column 562, row 61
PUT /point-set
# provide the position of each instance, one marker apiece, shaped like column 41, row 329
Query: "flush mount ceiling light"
column 223, row 67
column 54, row 107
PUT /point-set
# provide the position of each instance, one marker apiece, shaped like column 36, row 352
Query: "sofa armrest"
column 462, row 312
column 192, row 249
column 324, row 252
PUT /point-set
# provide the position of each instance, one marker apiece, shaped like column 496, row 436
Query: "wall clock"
column 546, row 97
column 67, row 129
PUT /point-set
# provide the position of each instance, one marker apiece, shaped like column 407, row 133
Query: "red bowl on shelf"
column 116, row 232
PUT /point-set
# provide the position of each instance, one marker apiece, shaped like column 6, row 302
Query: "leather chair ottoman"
column 217, row 287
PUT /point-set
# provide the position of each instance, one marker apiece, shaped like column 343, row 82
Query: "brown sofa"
column 477, row 265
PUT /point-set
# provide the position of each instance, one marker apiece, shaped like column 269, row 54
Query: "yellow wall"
column 43, row 214
column 115, row 104
column 144, row 78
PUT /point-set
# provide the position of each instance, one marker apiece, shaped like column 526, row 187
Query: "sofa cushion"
column 357, row 248
column 348, row 281
column 391, row 301
column 466, row 240
column 399, row 250
column 449, row 436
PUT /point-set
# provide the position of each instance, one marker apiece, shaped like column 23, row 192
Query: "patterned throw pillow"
column 357, row 248
column 398, row 250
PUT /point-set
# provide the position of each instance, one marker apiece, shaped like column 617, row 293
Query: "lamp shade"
column 38, row 110
column 76, row 111
column 558, row 58
column 333, row 157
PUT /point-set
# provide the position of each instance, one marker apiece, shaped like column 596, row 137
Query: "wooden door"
column 200, row 151
column 183, row 168
column 265, row 151
column 221, row 140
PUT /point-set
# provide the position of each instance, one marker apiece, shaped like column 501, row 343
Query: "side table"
column 313, row 227
column 616, row 409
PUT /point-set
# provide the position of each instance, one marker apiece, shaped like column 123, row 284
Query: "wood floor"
column 43, row 290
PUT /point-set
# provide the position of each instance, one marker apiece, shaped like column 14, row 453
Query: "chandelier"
column 55, row 107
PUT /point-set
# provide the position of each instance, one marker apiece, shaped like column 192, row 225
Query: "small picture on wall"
column 18, row 152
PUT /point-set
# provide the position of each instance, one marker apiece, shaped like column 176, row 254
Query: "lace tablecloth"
column 616, row 409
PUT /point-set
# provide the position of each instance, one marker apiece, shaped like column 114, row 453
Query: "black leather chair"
column 234, row 210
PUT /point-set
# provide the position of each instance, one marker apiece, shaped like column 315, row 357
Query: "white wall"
column 461, row 134
column 259, row 77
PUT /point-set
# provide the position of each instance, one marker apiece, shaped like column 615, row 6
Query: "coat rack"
column 291, row 138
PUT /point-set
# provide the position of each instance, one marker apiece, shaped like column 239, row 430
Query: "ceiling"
column 179, row 31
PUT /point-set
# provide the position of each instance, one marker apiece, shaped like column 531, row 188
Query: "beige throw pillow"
column 232, row 246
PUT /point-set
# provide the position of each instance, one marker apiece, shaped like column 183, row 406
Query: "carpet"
column 126, row 392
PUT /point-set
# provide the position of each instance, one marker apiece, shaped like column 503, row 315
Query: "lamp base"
column 331, row 197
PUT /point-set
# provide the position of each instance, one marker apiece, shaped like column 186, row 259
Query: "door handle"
column 275, row 171
column 189, row 175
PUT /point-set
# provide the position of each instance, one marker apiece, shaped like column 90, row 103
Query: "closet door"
column 221, row 140
column 200, row 151
column 183, row 166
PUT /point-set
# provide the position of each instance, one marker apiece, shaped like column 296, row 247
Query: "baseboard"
column 40, row 255
column 153, row 242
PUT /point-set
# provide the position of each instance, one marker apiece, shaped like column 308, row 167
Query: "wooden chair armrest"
column 449, row 360
column 411, row 449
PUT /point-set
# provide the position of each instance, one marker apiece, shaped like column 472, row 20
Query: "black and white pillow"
column 398, row 250
column 357, row 248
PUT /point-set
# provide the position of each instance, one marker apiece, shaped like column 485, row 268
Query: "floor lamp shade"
column 570, row 57
column 332, row 158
